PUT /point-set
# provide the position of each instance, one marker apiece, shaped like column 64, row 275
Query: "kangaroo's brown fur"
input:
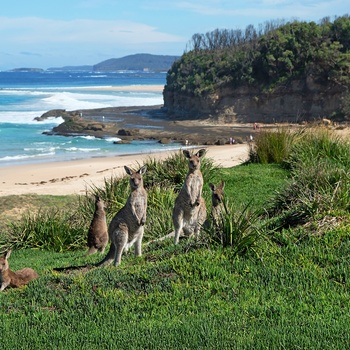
column 98, row 230
column 190, row 212
column 17, row 279
column 127, row 227
column 217, row 198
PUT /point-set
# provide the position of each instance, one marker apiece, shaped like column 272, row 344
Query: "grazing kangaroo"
column 127, row 227
column 12, row 279
column 190, row 212
column 217, row 198
column 98, row 232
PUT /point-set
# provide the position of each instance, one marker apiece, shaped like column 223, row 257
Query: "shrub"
column 271, row 146
column 238, row 229
column 172, row 171
column 51, row 230
column 320, row 166
column 159, row 212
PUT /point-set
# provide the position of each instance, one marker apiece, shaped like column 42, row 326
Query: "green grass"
column 176, row 297
column 290, row 289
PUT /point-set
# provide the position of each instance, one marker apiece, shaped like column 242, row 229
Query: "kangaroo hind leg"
column 120, row 242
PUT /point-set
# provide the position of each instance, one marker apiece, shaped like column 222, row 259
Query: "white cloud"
column 266, row 9
column 31, row 30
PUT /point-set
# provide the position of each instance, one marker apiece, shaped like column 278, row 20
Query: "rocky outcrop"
column 297, row 102
column 53, row 113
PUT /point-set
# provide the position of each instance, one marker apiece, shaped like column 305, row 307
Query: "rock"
column 164, row 141
column 95, row 127
column 54, row 113
column 124, row 132
column 220, row 142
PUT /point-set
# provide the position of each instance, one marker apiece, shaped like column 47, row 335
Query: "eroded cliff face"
column 297, row 102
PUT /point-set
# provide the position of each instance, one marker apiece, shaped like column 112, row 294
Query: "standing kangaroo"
column 217, row 198
column 127, row 227
column 98, row 232
column 190, row 212
column 14, row 279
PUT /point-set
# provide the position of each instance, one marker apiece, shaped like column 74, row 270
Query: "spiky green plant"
column 236, row 228
column 172, row 171
column 53, row 230
column 271, row 146
column 159, row 212
column 114, row 192
column 320, row 166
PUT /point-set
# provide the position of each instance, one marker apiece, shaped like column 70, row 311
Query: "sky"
column 44, row 33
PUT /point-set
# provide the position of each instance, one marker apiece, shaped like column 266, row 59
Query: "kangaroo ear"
column 142, row 170
column 7, row 254
column 222, row 185
column 212, row 187
column 201, row 152
column 186, row 153
column 128, row 170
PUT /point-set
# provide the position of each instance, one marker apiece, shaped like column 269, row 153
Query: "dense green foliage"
column 287, row 288
column 319, row 165
column 264, row 58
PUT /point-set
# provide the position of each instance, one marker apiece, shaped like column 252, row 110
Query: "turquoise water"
column 26, row 95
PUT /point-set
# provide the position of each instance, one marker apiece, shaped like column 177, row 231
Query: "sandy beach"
column 139, row 88
column 75, row 177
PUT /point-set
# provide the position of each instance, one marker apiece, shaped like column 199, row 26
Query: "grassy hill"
column 286, row 287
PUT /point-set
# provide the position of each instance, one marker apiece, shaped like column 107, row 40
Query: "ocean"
column 26, row 95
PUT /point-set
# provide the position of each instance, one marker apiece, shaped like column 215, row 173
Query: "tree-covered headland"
column 307, row 62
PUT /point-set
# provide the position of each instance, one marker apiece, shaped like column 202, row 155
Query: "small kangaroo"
column 217, row 197
column 12, row 279
column 98, row 232
column 127, row 227
column 190, row 211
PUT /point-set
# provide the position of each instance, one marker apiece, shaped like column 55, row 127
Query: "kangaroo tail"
column 109, row 258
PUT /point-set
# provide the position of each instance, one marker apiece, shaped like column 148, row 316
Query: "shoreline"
column 131, row 88
column 76, row 176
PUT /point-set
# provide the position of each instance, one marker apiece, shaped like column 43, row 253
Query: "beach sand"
column 75, row 177
column 138, row 88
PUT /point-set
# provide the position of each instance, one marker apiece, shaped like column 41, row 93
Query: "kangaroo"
column 12, row 279
column 98, row 232
column 217, row 197
column 190, row 212
column 127, row 227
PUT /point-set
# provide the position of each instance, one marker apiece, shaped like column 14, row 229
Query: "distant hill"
column 26, row 70
column 141, row 61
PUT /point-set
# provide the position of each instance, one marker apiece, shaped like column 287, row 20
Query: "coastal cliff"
column 283, row 72
column 299, row 101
